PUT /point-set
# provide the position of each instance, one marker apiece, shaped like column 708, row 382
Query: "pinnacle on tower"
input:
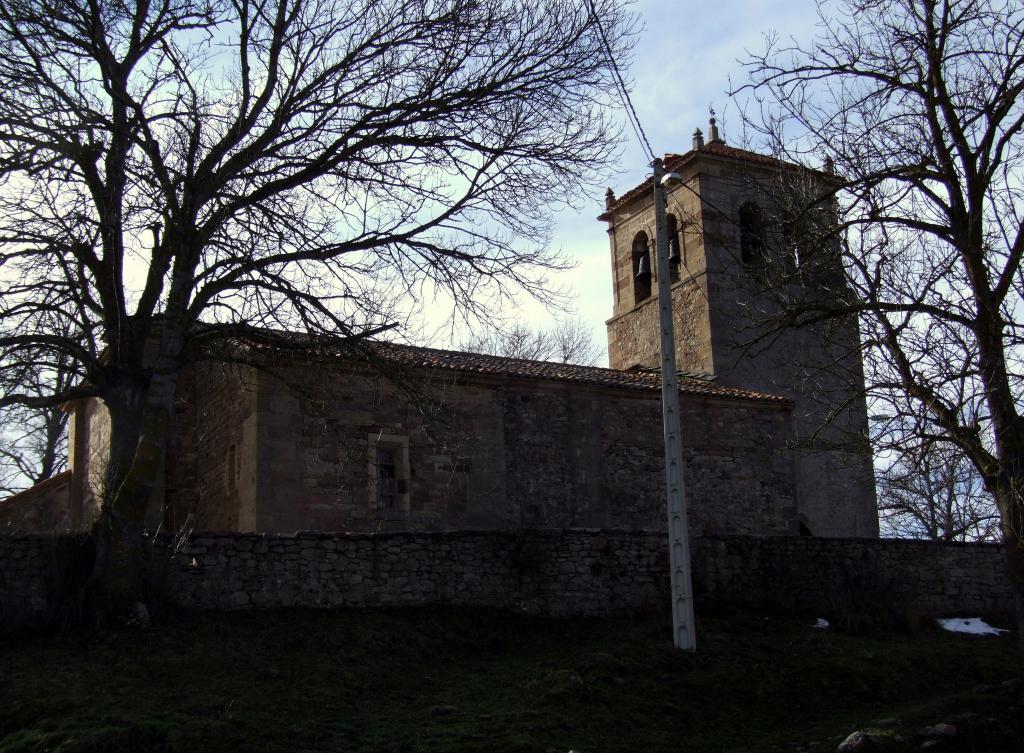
column 713, row 130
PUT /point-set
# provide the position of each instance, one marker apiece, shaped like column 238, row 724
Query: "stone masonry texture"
column 551, row 572
column 295, row 451
column 719, row 303
column 826, row 575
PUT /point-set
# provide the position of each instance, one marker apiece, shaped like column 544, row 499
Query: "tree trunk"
column 1013, row 535
column 1008, row 490
column 140, row 420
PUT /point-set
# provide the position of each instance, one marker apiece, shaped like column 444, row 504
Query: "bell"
column 673, row 250
column 643, row 268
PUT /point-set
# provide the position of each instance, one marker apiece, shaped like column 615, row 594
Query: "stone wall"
column 553, row 572
column 212, row 455
column 634, row 337
column 491, row 452
column 829, row 575
column 544, row 572
column 34, row 570
column 818, row 367
column 91, row 467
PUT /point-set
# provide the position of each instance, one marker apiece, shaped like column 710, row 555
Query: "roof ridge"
column 40, row 486
column 518, row 359
column 496, row 365
column 420, row 356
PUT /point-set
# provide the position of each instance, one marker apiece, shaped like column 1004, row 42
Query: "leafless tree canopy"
column 931, row 490
column 291, row 164
column 33, row 441
column 285, row 163
column 918, row 105
column 569, row 341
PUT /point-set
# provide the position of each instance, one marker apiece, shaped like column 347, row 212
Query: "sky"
column 682, row 65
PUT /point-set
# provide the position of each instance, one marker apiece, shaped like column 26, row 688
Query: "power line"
column 631, row 116
column 634, row 119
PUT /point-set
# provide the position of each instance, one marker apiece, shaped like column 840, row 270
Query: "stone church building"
column 422, row 439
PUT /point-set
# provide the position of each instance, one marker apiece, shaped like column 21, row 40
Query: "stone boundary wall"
column 34, row 570
column 553, row 572
column 827, row 576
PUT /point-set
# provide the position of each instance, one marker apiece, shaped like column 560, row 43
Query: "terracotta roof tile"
column 477, row 363
column 412, row 356
column 46, row 484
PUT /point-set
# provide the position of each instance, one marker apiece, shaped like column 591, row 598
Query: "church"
column 397, row 437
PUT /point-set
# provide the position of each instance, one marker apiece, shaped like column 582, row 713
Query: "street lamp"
column 683, row 632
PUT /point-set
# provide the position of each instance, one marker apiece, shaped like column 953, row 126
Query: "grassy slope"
column 463, row 680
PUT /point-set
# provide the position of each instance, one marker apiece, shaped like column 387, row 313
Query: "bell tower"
column 721, row 235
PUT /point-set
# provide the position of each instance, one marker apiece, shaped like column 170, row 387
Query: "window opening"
column 232, row 469
column 751, row 240
column 641, row 268
column 387, row 478
column 389, row 474
column 675, row 256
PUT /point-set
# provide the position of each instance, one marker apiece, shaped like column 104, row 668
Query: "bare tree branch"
column 306, row 165
column 918, row 105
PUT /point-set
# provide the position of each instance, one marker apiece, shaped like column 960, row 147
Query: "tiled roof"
column 412, row 356
column 477, row 363
column 42, row 508
column 675, row 162
column 45, row 485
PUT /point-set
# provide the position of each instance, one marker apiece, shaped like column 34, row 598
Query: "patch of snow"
column 969, row 625
column 821, row 624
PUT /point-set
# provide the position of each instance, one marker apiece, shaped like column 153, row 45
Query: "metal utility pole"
column 684, row 634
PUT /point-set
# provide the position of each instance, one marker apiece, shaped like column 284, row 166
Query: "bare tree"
column 934, row 492
column 917, row 106
column 33, row 445
column 569, row 341
column 927, row 487
column 173, row 172
column 33, row 440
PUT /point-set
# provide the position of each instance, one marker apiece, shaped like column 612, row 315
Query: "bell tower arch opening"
column 641, row 268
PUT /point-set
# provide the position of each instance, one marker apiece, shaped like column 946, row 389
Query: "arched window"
column 751, row 238
column 675, row 248
column 641, row 268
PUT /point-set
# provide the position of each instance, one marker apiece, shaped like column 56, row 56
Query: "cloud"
column 682, row 64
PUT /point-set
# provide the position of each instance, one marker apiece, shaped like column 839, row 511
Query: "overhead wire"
column 631, row 114
column 620, row 81
column 637, row 126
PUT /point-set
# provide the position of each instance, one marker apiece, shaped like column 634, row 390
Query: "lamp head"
column 671, row 179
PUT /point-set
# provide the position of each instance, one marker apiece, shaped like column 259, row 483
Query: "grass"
column 480, row 680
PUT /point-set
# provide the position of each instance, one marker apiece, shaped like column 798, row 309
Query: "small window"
column 641, row 268
column 389, row 474
column 232, row 469
column 675, row 249
column 387, row 478
column 751, row 238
